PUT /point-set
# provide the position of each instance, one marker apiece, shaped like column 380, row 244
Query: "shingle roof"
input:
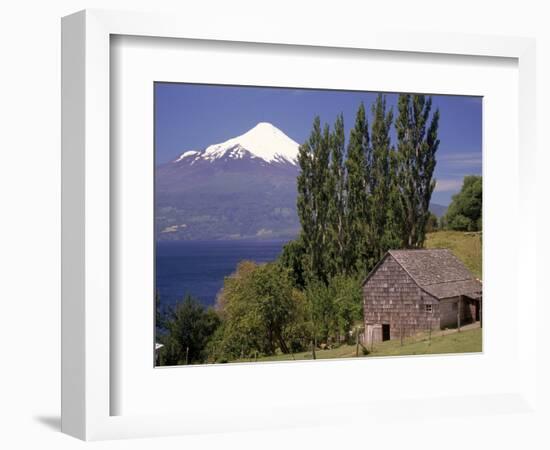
column 438, row 272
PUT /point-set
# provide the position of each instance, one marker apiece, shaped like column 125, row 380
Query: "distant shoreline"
column 159, row 241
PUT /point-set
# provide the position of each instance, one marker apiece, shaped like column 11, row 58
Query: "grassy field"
column 466, row 341
column 449, row 341
column 465, row 246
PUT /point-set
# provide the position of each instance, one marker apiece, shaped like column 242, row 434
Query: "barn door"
column 385, row 331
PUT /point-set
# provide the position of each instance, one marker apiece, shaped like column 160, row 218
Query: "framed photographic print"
column 281, row 211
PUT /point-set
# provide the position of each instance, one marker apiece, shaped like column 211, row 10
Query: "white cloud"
column 264, row 232
column 468, row 159
column 174, row 228
column 448, row 185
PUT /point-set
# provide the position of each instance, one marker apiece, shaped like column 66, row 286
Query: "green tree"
column 275, row 303
column 357, row 251
column 417, row 143
column 189, row 327
column 159, row 315
column 465, row 211
column 322, row 190
column 321, row 311
column 259, row 306
column 293, row 257
column 334, row 307
column 297, row 332
column 313, row 198
column 243, row 333
column 432, row 224
column 348, row 303
column 383, row 204
column 304, row 199
column 336, row 215
column 393, row 233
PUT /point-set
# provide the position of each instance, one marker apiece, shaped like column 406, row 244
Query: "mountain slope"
column 243, row 188
column 438, row 210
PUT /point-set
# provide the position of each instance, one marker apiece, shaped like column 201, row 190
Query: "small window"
column 428, row 308
column 455, row 307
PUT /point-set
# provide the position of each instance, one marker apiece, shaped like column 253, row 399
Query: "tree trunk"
column 282, row 344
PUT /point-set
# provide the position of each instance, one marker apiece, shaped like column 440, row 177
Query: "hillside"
column 469, row 340
column 438, row 210
column 466, row 246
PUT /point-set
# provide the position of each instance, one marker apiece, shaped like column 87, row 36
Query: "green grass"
column 344, row 351
column 465, row 246
column 466, row 341
column 451, row 341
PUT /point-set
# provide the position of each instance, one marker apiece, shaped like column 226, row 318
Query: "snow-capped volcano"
column 265, row 142
column 243, row 188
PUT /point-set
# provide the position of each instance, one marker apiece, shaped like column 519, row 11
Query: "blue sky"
column 191, row 117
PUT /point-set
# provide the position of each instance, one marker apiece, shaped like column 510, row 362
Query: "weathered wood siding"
column 448, row 312
column 390, row 296
column 448, row 309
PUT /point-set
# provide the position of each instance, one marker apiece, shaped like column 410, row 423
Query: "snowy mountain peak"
column 264, row 141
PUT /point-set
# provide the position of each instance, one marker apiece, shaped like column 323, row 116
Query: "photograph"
column 298, row 224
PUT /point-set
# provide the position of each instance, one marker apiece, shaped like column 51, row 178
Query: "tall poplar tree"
column 393, row 236
column 417, row 143
column 313, row 199
column 322, row 200
column 304, row 201
column 357, row 251
column 336, row 208
column 381, row 179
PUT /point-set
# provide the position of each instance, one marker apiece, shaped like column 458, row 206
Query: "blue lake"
column 198, row 268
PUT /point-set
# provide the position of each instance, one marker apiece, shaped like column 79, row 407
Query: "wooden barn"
column 410, row 291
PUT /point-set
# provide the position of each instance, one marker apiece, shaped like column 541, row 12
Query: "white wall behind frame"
column 141, row 61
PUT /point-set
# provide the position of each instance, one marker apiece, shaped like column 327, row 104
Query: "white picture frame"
column 88, row 386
